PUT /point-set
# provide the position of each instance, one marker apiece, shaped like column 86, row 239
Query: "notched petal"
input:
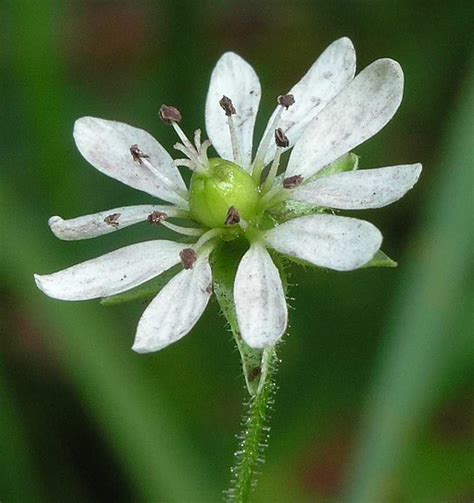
column 105, row 222
column 362, row 189
column 234, row 79
column 260, row 302
column 176, row 309
column 119, row 151
column 111, row 273
column 356, row 114
column 334, row 242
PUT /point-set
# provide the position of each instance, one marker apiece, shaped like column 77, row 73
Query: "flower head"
column 241, row 196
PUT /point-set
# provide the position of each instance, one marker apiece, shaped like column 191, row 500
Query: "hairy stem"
column 255, row 433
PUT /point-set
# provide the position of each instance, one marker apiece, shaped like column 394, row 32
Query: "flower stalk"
column 254, row 436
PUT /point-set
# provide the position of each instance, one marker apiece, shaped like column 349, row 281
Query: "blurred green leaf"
column 420, row 347
column 110, row 380
column 19, row 478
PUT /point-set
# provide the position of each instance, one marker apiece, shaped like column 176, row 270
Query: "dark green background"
column 375, row 395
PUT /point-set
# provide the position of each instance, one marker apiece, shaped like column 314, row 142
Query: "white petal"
column 176, row 309
column 329, row 74
column 113, row 272
column 361, row 189
column 106, row 145
column 356, row 114
column 260, row 301
column 90, row 226
column 235, row 78
column 339, row 243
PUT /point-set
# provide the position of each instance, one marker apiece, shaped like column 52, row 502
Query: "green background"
column 375, row 385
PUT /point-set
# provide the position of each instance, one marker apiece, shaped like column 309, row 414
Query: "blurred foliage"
column 375, row 398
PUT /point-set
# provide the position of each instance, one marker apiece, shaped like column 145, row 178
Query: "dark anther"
column 112, row 220
column 292, row 181
column 137, row 154
column 169, row 114
column 281, row 139
column 188, row 256
column 286, row 100
column 227, row 105
column 209, row 288
column 233, row 216
column 156, row 217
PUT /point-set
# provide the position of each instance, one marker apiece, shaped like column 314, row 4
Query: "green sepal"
column 289, row 209
column 225, row 260
column 146, row 291
column 380, row 259
column 348, row 162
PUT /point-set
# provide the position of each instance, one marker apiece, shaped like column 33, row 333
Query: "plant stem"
column 255, row 433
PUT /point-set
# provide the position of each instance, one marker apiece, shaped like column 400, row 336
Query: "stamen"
column 188, row 257
column 281, row 139
column 227, row 105
column 285, row 101
column 273, row 171
column 292, row 181
column 137, row 154
column 163, row 178
column 112, row 220
column 229, row 109
column 233, row 217
column 169, row 114
column 186, row 231
column 157, row 217
column 210, row 234
column 195, row 153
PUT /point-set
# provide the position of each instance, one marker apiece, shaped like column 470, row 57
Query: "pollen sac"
column 112, row 220
column 227, row 105
column 286, row 100
column 233, row 217
column 292, row 181
column 281, row 139
column 188, row 256
column 156, row 217
column 225, row 185
column 169, row 114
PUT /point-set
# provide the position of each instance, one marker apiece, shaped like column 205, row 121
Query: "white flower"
column 325, row 115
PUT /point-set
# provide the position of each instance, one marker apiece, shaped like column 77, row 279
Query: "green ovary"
column 223, row 186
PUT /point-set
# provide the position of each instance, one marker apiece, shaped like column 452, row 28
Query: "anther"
column 169, row 114
column 156, row 217
column 188, row 257
column 112, row 220
column 227, row 105
column 137, row 154
column 281, row 139
column 292, row 181
column 286, row 100
column 233, row 217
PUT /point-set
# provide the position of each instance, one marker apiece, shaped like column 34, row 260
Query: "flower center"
column 223, row 186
